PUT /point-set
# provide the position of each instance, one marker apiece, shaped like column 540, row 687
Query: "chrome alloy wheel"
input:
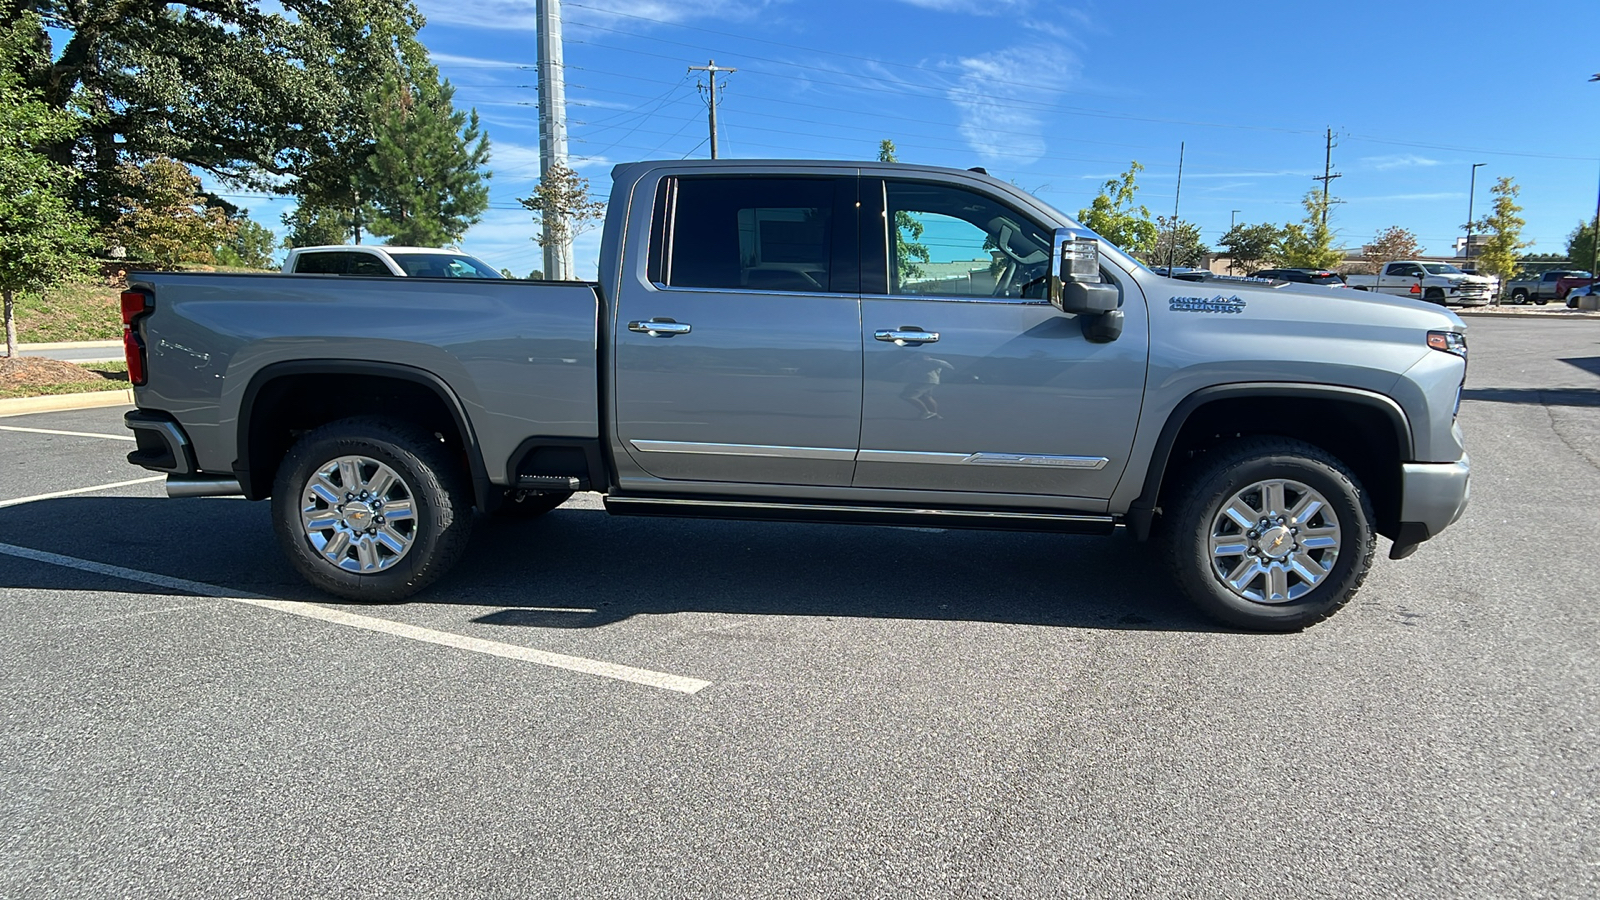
column 358, row 513
column 1274, row 541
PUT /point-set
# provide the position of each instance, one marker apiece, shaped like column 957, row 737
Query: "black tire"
column 1434, row 295
column 1519, row 296
column 1542, row 301
column 440, row 495
column 1217, row 477
column 521, row 505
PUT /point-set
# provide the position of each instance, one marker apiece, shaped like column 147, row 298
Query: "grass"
column 112, row 376
column 71, row 312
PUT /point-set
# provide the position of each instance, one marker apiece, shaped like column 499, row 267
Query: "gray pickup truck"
column 825, row 342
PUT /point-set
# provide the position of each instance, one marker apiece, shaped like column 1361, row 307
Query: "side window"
column 759, row 234
column 367, row 264
column 1405, row 269
column 320, row 263
column 951, row 242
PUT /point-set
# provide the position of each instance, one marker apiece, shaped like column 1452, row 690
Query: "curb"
column 21, row 406
column 70, row 345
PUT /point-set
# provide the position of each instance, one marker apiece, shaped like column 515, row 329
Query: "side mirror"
column 1075, row 285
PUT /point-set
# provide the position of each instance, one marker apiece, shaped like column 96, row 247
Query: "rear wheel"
column 371, row 509
column 1519, row 296
column 1270, row 534
column 1542, row 301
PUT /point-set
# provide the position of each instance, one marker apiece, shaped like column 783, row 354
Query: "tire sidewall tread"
column 1222, row 472
column 440, row 492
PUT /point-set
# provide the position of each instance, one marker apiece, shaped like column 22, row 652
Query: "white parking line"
column 369, row 623
column 93, row 434
column 88, row 490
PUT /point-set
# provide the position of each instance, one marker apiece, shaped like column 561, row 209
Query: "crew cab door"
column 970, row 384
column 738, row 354
column 1400, row 278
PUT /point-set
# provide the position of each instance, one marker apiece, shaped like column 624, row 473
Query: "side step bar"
column 982, row 519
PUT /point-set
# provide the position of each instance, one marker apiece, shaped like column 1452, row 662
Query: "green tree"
column 43, row 241
column 272, row 100
column 317, row 226
column 1308, row 244
column 251, row 245
column 913, row 254
column 163, row 218
column 561, row 204
column 1181, row 244
column 1114, row 216
column 1251, row 247
column 1392, row 243
column 1504, row 228
column 426, row 179
column 1580, row 245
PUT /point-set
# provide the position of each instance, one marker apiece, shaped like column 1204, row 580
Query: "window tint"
column 321, row 263
column 946, row 241
column 765, row 234
column 366, row 264
column 442, row 265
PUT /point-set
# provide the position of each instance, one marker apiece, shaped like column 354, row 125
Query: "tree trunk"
column 11, row 325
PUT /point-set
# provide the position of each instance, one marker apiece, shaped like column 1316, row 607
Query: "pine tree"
column 425, row 179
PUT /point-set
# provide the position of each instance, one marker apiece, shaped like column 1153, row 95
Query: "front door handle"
column 906, row 334
column 660, row 327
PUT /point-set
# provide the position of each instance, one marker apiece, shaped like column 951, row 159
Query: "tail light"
column 135, row 305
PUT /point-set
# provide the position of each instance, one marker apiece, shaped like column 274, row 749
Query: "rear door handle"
column 660, row 327
column 906, row 334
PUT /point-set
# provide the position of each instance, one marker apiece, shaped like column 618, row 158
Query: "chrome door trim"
column 767, row 450
column 1084, row 463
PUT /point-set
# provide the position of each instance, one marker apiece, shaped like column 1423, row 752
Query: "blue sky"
column 1058, row 97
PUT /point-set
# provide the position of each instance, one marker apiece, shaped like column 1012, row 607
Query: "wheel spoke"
column 392, row 539
column 325, row 489
column 1277, row 584
column 336, row 548
column 1309, row 569
column 1319, row 543
column 350, row 474
column 382, row 481
column 1241, row 514
column 367, row 553
column 398, row 510
column 319, row 520
column 1273, row 500
column 1230, row 545
column 1244, row 573
column 1306, row 509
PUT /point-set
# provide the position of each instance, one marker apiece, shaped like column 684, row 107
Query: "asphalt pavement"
column 841, row 712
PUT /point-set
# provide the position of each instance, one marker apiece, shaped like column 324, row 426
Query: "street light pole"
column 1233, row 218
column 1471, row 195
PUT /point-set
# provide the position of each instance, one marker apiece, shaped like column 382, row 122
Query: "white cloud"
column 974, row 7
column 993, row 93
column 521, row 15
column 1399, row 161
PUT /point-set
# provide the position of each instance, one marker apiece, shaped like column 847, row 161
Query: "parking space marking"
column 88, row 490
column 93, row 434
column 579, row 664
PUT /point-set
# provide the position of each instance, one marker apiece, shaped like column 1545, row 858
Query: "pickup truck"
column 380, row 261
column 1541, row 288
column 1439, row 283
column 1571, row 282
column 774, row 341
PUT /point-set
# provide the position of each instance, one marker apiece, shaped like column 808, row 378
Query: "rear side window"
column 321, row 263
column 758, row 234
column 367, row 264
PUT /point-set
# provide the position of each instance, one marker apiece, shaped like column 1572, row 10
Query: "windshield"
column 443, row 265
column 1442, row 269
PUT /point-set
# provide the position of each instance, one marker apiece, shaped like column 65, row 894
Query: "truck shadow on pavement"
column 1535, row 396
column 582, row 568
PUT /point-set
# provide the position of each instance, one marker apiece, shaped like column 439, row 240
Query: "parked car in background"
column 1439, row 283
column 1303, row 276
column 404, row 262
column 1577, row 296
column 1540, row 288
column 1571, row 280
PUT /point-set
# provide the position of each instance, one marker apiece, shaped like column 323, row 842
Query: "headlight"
column 1449, row 342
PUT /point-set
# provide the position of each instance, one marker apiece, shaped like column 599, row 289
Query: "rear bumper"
column 1433, row 496
column 162, row 444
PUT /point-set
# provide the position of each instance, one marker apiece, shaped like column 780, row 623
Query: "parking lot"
column 599, row 707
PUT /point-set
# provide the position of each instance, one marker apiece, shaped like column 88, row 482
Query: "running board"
column 982, row 519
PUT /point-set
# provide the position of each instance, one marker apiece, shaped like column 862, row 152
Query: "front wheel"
column 1270, row 534
column 1519, row 296
column 371, row 509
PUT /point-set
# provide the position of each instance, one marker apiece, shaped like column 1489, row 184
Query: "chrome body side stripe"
column 1044, row 460
column 767, row 450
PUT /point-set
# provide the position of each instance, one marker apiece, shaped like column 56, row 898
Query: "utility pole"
column 1172, row 245
column 711, row 69
column 552, row 127
column 1327, row 175
column 1472, row 192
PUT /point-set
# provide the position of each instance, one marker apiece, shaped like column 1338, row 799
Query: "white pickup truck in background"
column 381, row 260
column 1439, row 283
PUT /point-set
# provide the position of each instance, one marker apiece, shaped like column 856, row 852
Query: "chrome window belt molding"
column 1042, row 460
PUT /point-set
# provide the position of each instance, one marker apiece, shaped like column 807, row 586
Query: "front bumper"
column 1432, row 498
